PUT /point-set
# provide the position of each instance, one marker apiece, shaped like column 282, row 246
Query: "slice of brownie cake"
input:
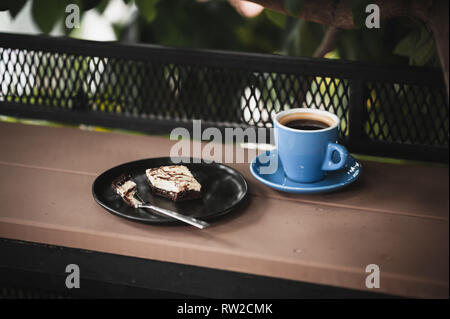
column 175, row 182
column 126, row 188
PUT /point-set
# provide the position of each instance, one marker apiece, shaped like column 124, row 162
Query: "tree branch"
column 328, row 42
column 338, row 13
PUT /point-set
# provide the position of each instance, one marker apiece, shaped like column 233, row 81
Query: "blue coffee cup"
column 306, row 154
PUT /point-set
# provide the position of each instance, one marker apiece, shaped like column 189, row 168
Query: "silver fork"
column 187, row 219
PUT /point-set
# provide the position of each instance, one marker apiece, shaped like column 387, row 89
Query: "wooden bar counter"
column 395, row 216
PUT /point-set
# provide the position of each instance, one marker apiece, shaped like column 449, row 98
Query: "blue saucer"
column 332, row 181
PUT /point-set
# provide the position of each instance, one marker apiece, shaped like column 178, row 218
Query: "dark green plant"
column 214, row 24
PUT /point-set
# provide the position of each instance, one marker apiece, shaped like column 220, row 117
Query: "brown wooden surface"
column 395, row 216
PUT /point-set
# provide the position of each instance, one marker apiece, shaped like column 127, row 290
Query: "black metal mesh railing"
column 164, row 90
column 407, row 114
column 400, row 112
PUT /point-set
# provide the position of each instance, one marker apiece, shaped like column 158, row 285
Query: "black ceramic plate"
column 223, row 188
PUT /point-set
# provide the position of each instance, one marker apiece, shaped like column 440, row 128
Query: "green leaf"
column 293, row 6
column 425, row 49
column 406, row 45
column 14, row 6
column 310, row 37
column 359, row 12
column 418, row 46
column 277, row 18
column 47, row 12
column 304, row 38
column 147, row 8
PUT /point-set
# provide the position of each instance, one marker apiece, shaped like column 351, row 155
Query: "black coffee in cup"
column 307, row 125
column 306, row 121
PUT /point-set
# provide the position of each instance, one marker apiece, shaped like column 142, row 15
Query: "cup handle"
column 329, row 164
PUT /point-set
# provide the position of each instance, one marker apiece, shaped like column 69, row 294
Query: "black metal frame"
column 39, row 271
column 357, row 75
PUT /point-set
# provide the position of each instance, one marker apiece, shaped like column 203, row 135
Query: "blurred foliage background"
column 220, row 24
column 238, row 26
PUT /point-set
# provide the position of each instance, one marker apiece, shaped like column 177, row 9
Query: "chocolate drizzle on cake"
column 175, row 182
